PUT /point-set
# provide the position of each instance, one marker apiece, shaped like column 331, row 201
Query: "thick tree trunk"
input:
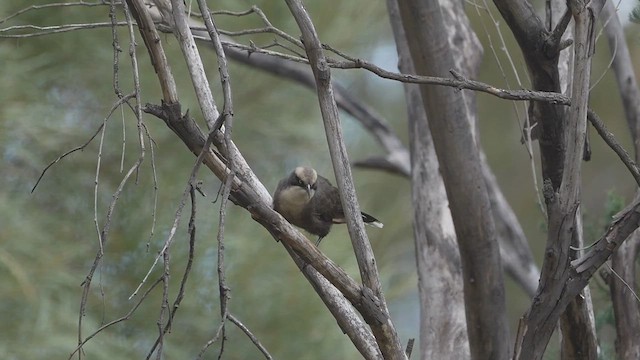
column 437, row 259
column 450, row 121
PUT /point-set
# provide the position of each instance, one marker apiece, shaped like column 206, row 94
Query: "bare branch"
column 156, row 52
column 563, row 203
column 78, row 148
column 385, row 333
column 253, row 196
column 45, row 6
column 350, row 323
column 194, row 64
column 610, row 140
column 623, row 260
column 227, row 119
column 624, row 72
column 50, row 30
column 251, row 336
column 125, row 317
column 187, row 270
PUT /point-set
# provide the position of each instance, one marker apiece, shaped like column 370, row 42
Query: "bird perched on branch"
column 309, row 201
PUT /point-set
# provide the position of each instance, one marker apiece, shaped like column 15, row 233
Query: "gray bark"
column 384, row 331
column 248, row 192
column 450, row 122
column 514, row 249
column 438, row 261
column 562, row 194
column 623, row 262
column 577, row 323
column 625, row 304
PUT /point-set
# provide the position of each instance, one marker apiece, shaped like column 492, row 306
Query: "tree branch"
column 450, row 123
column 562, row 203
column 385, row 333
column 440, row 283
column 623, row 261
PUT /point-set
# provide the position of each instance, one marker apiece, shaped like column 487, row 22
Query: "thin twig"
column 227, row 119
column 116, row 76
column 250, row 335
column 164, row 304
column 126, row 317
column 81, row 147
column 609, row 65
column 526, row 127
column 50, row 30
column 96, row 183
column 154, row 210
column 608, row 138
column 185, row 276
column 629, row 287
column 44, row 6
column 213, row 340
column 103, row 236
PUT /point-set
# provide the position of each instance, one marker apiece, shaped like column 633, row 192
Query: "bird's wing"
column 276, row 194
column 326, row 202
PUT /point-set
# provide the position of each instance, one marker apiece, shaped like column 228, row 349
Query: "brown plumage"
column 311, row 202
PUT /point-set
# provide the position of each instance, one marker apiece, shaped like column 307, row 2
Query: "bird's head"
column 304, row 177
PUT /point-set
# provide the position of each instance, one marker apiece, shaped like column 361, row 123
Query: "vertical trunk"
column 623, row 261
column 563, row 202
column 625, row 305
column 450, row 122
column 577, row 323
column 437, row 258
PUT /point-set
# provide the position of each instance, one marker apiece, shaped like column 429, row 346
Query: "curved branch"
column 384, row 332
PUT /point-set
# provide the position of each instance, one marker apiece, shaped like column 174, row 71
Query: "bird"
column 309, row 201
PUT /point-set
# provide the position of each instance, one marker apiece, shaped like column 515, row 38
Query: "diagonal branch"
column 384, row 332
column 247, row 191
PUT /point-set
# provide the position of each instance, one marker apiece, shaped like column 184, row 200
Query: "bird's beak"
column 310, row 191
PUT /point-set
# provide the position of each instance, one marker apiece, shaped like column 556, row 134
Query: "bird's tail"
column 371, row 221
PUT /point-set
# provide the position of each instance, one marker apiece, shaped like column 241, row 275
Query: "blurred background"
column 56, row 91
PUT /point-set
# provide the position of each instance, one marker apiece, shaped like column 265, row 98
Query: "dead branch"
column 384, row 332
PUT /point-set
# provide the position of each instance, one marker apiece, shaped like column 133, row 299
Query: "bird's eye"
column 300, row 182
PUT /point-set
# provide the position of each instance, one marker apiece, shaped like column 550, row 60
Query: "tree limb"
column 385, row 333
column 562, row 203
column 248, row 192
column 623, row 262
column 456, row 146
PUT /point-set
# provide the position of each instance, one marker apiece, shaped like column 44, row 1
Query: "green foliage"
column 635, row 14
column 603, row 307
column 56, row 91
column 594, row 227
column 615, row 203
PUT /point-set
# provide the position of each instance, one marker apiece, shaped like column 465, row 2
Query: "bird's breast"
column 291, row 203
